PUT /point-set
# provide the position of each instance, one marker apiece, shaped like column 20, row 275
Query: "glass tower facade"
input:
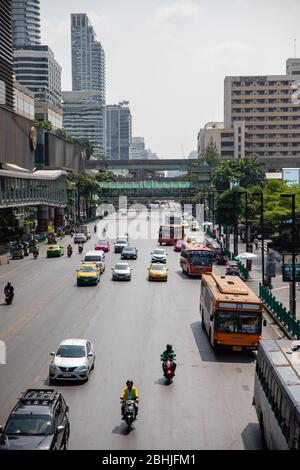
column 6, row 59
column 118, row 132
column 26, row 23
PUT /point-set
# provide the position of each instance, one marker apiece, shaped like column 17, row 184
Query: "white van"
column 96, row 256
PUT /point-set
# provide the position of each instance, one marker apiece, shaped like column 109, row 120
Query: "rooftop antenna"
column 295, row 47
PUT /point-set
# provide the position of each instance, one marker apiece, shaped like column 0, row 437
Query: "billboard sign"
column 288, row 268
column 291, row 176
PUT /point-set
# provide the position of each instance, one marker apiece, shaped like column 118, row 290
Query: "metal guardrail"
column 281, row 314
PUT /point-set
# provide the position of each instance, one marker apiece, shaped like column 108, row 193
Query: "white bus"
column 277, row 393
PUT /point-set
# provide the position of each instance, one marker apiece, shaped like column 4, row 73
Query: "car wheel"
column 93, row 366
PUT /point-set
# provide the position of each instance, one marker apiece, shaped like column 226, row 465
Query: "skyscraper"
column 84, row 107
column 118, row 131
column 26, row 22
column 88, row 57
column 6, row 58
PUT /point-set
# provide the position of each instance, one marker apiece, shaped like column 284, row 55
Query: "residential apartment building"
column 88, row 58
column 229, row 142
column 26, row 23
column 268, row 108
column 84, row 109
column 6, row 55
column 118, row 131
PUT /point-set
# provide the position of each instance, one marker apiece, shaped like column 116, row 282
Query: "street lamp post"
column 246, row 218
column 293, row 283
column 262, row 235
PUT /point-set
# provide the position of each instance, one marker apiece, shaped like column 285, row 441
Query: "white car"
column 159, row 255
column 96, row 256
column 121, row 272
column 74, row 360
column 120, row 244
column 80, row 238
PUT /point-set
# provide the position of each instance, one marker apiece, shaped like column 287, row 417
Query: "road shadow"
column 122, row 430
column 251, row 437
column 207, row 354
column 64, row 383
column 185, row 277
column 162, row 381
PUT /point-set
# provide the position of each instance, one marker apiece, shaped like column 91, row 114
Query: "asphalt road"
column 207, row 407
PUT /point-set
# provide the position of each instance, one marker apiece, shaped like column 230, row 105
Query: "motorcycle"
column 168, row 368
column 35, row 254
column 70, row 251
column 80, row 249
column 129, row 413
column 221, row 260
column 9, row 297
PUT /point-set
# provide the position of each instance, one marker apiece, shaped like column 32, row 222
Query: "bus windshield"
column 238, row 322
column 200, row 260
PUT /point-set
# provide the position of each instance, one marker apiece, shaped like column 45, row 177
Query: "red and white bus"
column 195, row 261
column 169, row 234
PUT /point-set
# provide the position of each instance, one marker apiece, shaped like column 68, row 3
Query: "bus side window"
column 286, row 418
column 293, row 432
column 277, row 402
column 268, row 385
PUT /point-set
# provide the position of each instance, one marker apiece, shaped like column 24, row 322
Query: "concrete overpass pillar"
column 59, row 217
column 43, row 219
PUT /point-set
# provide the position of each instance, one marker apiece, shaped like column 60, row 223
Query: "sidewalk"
column 281, row 290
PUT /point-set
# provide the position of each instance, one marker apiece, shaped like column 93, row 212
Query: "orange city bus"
column 231, row 313
column 196, row 260
column 169, row 234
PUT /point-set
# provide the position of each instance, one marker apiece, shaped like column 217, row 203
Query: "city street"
column 209, row 404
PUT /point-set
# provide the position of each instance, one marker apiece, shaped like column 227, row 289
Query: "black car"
column 129, row 252
column 40, row 420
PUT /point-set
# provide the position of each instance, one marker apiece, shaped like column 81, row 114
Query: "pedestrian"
column 256, row 243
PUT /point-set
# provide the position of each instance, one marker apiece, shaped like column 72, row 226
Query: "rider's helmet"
column 169, row 347
column 129, row 383
column 9, row 283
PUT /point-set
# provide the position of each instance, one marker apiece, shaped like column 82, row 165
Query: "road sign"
column 287, row 272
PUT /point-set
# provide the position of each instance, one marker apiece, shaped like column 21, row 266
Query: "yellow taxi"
column 88, row 274
column 158, row 272
column 54, row 251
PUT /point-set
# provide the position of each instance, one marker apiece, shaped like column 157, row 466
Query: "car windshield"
column 92, row 258
column 121, row 267
column 157, row 267
column 121, row 242
column 129, row 248
column 238, row 322
column 102, row 242
column 71, row 350
column 159, row 252
column 31, row 424
column 88, row 269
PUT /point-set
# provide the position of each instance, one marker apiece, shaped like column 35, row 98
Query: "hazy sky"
column 169, row 57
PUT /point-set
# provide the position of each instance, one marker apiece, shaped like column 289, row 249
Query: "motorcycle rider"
column 35, row 251
column 69, row 249
column 95, row 228
column 168, row 354
column 8, row 289
column 80, row 248
column 130, row 392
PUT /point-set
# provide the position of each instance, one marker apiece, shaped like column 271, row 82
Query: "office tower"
column 118, row 131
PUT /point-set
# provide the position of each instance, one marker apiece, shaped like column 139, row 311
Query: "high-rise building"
column 228, row 142
column 138, row 151
column 6, row 55
column 83, row 118
column 268, row 108
column 88, row 57
column 36, row 68
column 26, row 23
column 118, row 131
column 84, row 108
